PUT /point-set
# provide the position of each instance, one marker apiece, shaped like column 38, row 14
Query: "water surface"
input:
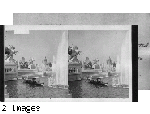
column 77, row 89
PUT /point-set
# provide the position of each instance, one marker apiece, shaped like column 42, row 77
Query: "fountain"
column 61, row 61
column 60, row 64
column 52, row 78
column 123, row 64
column 116, row 78
column 54, row 64
column 125, row 61
column 118, row 64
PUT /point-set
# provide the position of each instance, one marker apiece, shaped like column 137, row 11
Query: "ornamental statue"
column 73, row 52
column 109, row 61
column 87, row 63
column 96, row 64
column 9, row 52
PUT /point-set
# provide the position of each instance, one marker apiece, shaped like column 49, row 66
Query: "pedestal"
column 11, row 71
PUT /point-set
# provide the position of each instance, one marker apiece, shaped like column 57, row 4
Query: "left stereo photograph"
column 33, row 58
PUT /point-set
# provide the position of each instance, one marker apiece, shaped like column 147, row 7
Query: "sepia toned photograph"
column 68, row 62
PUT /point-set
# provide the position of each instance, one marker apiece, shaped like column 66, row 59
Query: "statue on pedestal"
column 31, row 64
column 46, row 67
column 96, row 64
column 109, row 63
column 23, row 64
column 87, row 63
column 118, row 66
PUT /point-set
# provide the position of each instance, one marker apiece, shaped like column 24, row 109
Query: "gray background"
column 37, row 44
column 142, row 20
column 97, row 44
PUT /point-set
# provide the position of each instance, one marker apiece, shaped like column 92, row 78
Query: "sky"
column 93, row 44
column 37, row 44
column 97, row 43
